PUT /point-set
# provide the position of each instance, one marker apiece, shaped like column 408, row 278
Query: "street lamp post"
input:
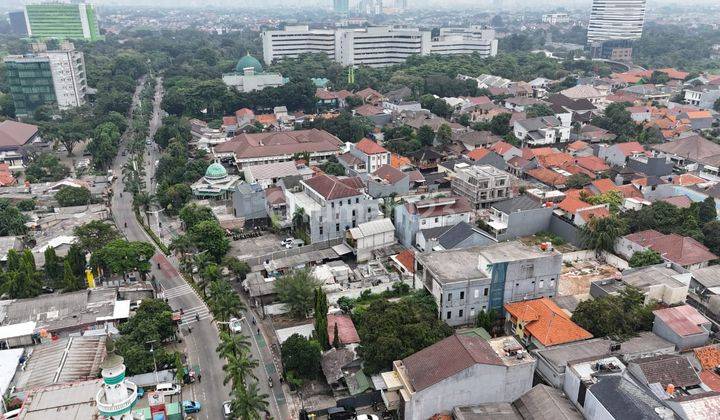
column 152, row 350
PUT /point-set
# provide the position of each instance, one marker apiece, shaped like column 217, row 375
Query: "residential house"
column 651, row 166
column 481, row 185
column 640, row 114
column 476, row 139
column 346, row 332
column 422, row 392
column 541, row 130
column 699, row 120
column 555, row 177
column 683, row 326
column 540, row 323
column 593, row 94
column 681, row 250
column 702, row 96
column 704, row 291
column 593, row 134
column 13, row 137
column 506, row 150
column 579, row 148
column 372, row 154
column 459, row 236
column 618, row 153
column 331, row 205
column 666, row 283
column 694, row 154
column 482, row 156
column 578, row 110
column 486, row 81
column 387, row 181
column 592, row 165
column 467, row 281
column 517, row 217
column 522, row 103
column 276, row 206
column 673, row 374
column 374, row 113
column 370, row 236
column 261, row 148
column 413, row 216
column 269, row 174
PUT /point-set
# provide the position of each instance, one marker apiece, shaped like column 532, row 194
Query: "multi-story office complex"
column 376, row 46
column 474, row 39
column 555, row 18
column 614, row 24
column 62, row 20
column 296, row 40
column 481, row 185
column 47, row 77
column 341, row 6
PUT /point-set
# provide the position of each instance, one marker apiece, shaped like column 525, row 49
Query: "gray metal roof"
column 623, row 399
column 708, row 276
column 516, row 204
column 545, row 402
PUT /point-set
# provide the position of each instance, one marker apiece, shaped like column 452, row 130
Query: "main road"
column 199, row 332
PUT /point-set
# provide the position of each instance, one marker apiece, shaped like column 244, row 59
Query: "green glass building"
column 62, row 21
column 31, row 83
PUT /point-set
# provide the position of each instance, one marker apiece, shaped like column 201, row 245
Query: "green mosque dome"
column 248, row 61
column 216, row 171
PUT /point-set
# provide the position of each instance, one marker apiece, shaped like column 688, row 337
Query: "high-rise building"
column 341, row 6
column 380, row 46
column 17, row 23
column 295, row 40
column 46, row 78
column 62, row 21
column 474, row 39
column 614, row 25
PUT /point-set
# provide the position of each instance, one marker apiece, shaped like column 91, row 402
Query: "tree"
column 711, row 233
column 121, row 257
column 577, row 180
column 612, row 198
column 53, row 267
column 12, row 221
column 209, row 236
column 26, row 205
column 296, row 290
column 617, row 316
column 71, row 282
column 426, row 136
column 600, row 233
column 21, row 278
column 239, row 368
column 192, row 214
column 707, row 211
column 232, row 344
column 104, row 145
column 333, row 167
column 336, row 337
column 224, row 303
column 152, row 322
column 76, row 258
column 68, row 196
column 487, row 320
column 644, row 258
column 95, row 235
column 500, row 124
column 173, row 197
column 240, row 269
column 46, row 168
column 539, row 110
column 444, row 134
column 320, row 315
column 301, row 356
column 659, row 78
column 248, row 402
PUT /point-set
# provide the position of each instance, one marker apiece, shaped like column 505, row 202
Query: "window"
column 472, row 311
column 541, row 284
column 460, row 313
column 332, row 204
column 462, row 295
column 357, row 200
column 321, row 230
column 476, row 293
column 349, row 201
column 353, row 223
column 449, row 315
column 369, row 209
column 449, row 297
column 485, row 292
column 340, row 203
column 436, row 220
column 337, row 227
column 353, row 213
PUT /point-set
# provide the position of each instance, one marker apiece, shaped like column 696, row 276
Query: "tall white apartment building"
column 68, row 73
column 380, row 46
column 616, row 20
column 296, row 40
column 474, row 39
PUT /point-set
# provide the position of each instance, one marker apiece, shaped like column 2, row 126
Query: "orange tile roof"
column 592, row 163
column 630, row 147
column 541, row 151
column 407, row 259
column 571, row 204
column 266, row 119
column 674, row 73
column 699, row 114
column 554, row 159
column 546, row 322
column 708, row 356
column 573, row 193
column 577, row 145
column 687, row 179
column 597, row 212
column 369, row 147
column 397, row 161
column 711, row 379
column 501, row 147
column 604, row 185
column 547, row 176
column 477, row 154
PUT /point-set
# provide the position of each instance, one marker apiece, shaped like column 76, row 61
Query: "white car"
column 227, row 411
column 367, row 417
column 167, row 389
column 235, row 325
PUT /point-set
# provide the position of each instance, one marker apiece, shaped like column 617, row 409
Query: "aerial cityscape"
column 360, row 210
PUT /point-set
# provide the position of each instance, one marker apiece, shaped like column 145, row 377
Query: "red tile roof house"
column 683, row 326
column 458, row 371
column 371, row 153
column 682, row 250
column 542, row 323
column 617, row 154
column 388, row 181
column 261, row 148
column 347, row 334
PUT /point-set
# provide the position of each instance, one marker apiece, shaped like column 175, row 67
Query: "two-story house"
column 365, row 156
column 466, row 281
column 414, row 216
column 481, row 184
column 541, row 130
column 329, row 206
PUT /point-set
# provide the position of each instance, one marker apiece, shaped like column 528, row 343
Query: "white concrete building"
column 474, row 39
column 296, row 40
column 369, row 236
column 616, row 20
column 380, row 46
column 68, row 70
column 555, row 18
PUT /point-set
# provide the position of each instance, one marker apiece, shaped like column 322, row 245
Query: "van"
column 168, row 389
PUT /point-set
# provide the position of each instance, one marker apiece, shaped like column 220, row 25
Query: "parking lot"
column 252, row 247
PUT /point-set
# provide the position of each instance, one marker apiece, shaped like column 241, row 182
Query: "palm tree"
column 182, row 245
column 600, row 234
column 238, row 369
column 298, row 219
column 208, row 275
column 224, row 302
column 232, row 344
column 248, row 403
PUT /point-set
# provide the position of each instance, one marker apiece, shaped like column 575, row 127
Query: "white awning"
column 342, row 249
column 17, row 330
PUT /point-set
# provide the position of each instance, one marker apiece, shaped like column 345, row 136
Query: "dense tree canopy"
column 301, row 357
column 297, row 291
column 617, row 316
column 12, row 221
column 644, row 258
column 151, row 324
column 46, row 168
column 68, row 196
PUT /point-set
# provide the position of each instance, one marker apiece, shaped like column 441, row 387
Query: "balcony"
column 107, row 408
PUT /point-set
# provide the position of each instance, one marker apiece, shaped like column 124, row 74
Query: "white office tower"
column 616, row 20
column 116, row 399
column 68, row 71
column 380, row 46
column 474, row 39
column 295, row 40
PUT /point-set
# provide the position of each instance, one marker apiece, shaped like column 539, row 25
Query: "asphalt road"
column 200, row 336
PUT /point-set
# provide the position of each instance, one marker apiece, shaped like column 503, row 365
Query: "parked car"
column 367, row 417
column 140, row 392
column 235, row 325
column 227, row 411
column 191, row 406
column 168, row 389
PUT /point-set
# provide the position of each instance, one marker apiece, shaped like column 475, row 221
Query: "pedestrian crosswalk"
column 178, row 291
column 191, row 315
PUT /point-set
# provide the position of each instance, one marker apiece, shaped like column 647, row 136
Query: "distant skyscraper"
column 614, row 24
column 62, row 20
column 341, row 6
